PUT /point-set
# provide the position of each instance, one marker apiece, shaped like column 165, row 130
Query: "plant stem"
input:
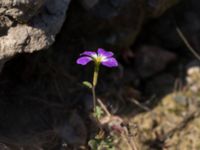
column 94, row 83
column 95, row 76
column 94, row 98
column 104, row 107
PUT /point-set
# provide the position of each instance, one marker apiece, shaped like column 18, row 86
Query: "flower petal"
column 110, row 62
column 83, row 60
column 103, row 53
column 89, row 53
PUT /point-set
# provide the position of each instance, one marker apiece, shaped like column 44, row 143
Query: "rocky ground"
column 43, row 105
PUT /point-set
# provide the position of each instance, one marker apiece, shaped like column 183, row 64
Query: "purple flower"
column 101, row 57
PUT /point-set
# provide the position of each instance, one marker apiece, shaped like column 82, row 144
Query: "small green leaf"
column 92, row 144
column 98, row 112
column 87, row 84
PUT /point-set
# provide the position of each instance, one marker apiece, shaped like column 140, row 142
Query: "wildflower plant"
column 114, row 123
column 101, row 57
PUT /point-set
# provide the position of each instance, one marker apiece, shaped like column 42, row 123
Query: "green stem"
column 94, row 83
column 94, row 98
column 95, row 76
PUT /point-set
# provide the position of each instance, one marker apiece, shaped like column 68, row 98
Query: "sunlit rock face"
column 29, row 25
column 20, row 9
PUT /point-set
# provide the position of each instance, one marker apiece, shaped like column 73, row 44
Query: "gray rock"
column 28, row 25
column 21, row 10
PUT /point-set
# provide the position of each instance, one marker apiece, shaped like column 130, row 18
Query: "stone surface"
column 106, row 23
column 27, row 26
column 193, row 76
column 151, row 60
column 110, row 23
column 158, row 7
column 21, row 10
column 186, row 16
column 175, row 118
column 166, row 121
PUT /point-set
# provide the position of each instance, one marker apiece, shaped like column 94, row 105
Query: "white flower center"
column 98, row 59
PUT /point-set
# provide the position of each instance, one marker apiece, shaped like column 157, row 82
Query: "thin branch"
column 180, row 33
column 139, row 104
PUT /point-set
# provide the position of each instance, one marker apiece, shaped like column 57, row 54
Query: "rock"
column 158, row 7
column 193, row 79
column 21, row 10
column 168, row 117
column 150, row 60
column 28, row 26
column 175, row 117
column 109, row 23
column 87, row 4
column 186, row 16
